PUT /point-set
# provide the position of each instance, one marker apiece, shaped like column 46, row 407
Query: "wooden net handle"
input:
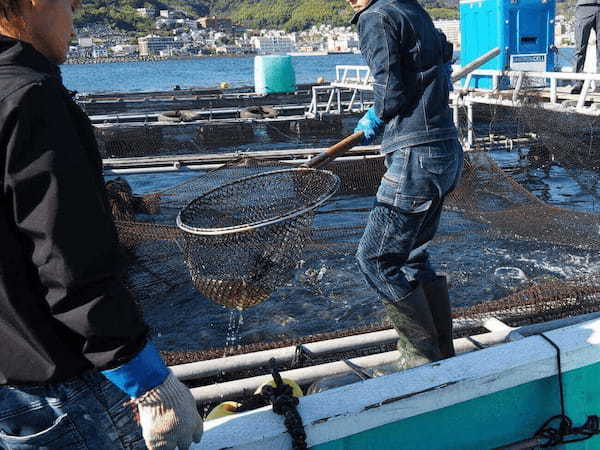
column 334, row 151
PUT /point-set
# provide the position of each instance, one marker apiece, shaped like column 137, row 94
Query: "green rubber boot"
column 417, row 341
column 417, row 335
column 436, row 293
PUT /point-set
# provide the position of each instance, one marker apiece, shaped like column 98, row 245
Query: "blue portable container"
column 522, row 29
column 274, row 74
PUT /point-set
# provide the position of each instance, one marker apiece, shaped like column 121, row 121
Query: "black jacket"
column 63, row 309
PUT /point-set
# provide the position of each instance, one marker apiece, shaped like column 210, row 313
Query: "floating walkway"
column 188, row 99
column 549, row 89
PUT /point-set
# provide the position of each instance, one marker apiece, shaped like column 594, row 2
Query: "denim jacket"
column 407, row 55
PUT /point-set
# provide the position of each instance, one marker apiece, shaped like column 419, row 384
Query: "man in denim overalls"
column 409, row 62
column 408, row 59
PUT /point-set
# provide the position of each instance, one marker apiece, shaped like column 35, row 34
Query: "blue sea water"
column 207, row 72
column 198, row 72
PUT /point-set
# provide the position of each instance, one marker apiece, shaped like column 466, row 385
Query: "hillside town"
column 178, row 35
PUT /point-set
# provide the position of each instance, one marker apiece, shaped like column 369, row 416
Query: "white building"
column 343, row 43
column 273, row 45
column 124, row 49
column 85, row 41
column 146, row 12
column 153, row 45
column 100, row 52
column 451, row 29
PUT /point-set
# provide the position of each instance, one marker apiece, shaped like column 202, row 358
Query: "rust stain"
column 412, row 394
column 323, row 420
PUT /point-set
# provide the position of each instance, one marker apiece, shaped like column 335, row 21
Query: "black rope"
column 563, row 432
column 284, row 404
column 557, row 429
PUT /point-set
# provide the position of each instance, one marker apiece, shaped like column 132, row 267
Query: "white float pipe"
column 204, row 369
column 308, row 375
column 304, row 376
column 199, row 167
column 239, row 388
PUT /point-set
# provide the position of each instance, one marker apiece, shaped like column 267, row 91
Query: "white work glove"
column 169, row 417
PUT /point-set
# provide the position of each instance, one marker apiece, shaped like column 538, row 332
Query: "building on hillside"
column 153, row 45
column 85, row 41
column 273, row 45
column 245, row 46
column 165, row 24
column 343, row 43
column 451, row 29
column 216, row 23
column 100, row 52
column 146, row 12
column 124, row 50
column 165, row 13
column 80, row 52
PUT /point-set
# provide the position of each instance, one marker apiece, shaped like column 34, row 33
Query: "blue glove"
column 371, row 125
column 144, row 372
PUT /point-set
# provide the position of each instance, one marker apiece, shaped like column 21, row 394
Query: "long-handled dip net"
column 244, row 238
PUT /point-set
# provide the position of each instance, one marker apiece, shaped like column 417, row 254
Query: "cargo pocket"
column 437, row 164
column 60, row 435
column 390, row 194
column 441, row 170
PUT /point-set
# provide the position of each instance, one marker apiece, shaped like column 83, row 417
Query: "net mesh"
column 245, row 237
column 519, row 239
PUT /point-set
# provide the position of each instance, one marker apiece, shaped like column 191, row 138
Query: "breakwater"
column 115, row 59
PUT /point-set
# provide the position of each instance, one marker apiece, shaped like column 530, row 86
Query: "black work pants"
column 587, row 17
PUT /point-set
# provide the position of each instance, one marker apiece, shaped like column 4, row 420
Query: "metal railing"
column 350, row 77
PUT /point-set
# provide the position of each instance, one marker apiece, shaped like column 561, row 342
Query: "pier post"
column 349, row 109
column 584, row 93
column 553, row 95
column 329, row 101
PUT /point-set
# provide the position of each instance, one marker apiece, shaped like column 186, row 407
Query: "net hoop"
column 261, row 223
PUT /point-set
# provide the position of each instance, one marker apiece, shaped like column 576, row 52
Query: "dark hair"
column 9, row 9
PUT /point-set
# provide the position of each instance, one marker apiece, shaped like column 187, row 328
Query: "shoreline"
column 130, row 59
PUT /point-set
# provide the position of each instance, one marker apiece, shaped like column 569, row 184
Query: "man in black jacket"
column 74, row 346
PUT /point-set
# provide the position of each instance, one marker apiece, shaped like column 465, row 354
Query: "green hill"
column 289, row 14
column 121, row 14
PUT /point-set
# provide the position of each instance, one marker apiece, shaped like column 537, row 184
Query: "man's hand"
column 370, row 125
column 169, row 417
column 167, row 410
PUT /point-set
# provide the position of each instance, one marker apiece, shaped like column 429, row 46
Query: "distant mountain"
column 289, row 14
